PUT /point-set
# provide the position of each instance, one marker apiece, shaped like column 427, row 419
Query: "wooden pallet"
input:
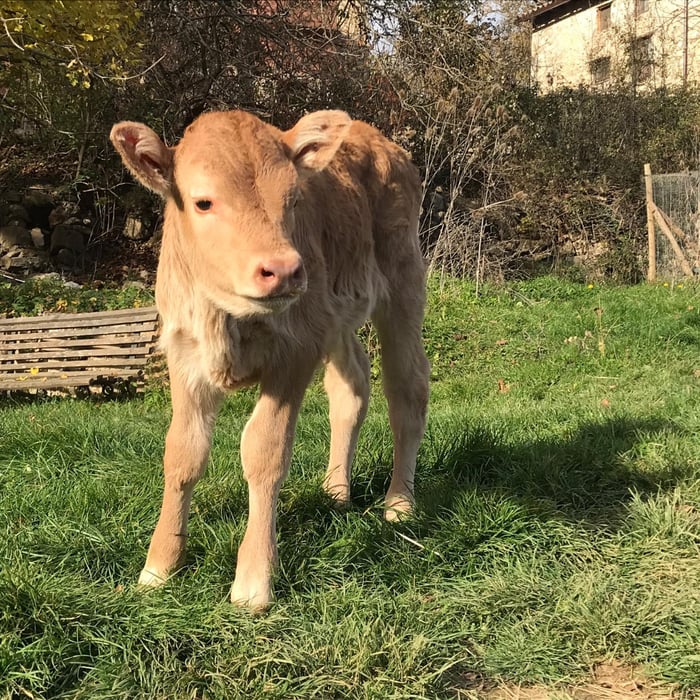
column 66, row 351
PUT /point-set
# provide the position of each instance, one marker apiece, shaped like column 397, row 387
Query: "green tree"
column 87, row 40
column 61, row 61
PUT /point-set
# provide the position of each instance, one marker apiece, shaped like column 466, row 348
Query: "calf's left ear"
column 315, row 138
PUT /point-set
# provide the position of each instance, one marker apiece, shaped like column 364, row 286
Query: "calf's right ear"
column 148, row 159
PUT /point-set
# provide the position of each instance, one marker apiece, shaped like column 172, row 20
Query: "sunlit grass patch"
column 557, row 526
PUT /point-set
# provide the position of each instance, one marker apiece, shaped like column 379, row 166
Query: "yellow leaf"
column 87, row 37
column 34, row 370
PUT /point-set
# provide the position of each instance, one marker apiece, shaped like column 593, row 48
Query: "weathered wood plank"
column 82, row 345
column 40, row 354
column 69, row 332
column 51, row 341
column 65, row 380
column 78, row 320
column 90, row 362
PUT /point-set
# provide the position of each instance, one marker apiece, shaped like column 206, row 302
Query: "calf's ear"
column 148, row 159
column 315, row 138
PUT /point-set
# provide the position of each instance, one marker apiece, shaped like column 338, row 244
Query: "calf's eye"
column 203, row 204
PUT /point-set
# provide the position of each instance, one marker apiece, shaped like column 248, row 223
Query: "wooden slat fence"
column 61, row 351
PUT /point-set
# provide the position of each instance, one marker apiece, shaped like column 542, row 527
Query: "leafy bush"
column 36, row 297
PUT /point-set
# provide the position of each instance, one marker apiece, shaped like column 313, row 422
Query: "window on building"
column 642, row 59
column 600, row 70
column 604, row 18
column 640, row 7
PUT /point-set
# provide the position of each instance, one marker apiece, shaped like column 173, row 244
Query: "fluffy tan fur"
column 342, row 199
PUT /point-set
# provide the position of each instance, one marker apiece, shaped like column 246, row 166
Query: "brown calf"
column 276, row 247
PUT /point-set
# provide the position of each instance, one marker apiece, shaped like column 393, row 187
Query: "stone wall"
column 42, row 230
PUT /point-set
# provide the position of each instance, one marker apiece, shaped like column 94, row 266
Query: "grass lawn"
column 557, row 528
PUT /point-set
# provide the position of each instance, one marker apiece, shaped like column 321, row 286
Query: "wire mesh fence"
column 677, row 196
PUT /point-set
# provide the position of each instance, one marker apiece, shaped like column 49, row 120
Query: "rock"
column 134, row 229
column 56, row 277
column 13, row 235
column 12, row 196
column 20, row 260
column 17, row 223
column 39, row 205
column 38, row 238
column 68, row 246
column 70, row 236
column 52, row 276
column 68, row 260
column 61, row 213
column 16, row 212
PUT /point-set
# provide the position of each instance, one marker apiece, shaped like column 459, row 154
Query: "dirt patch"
column 611, row 680
column 618, row 681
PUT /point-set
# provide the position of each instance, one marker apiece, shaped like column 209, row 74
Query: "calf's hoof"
column 150, row 578
column 397, row 507
column 340, row 496
column 255, row 597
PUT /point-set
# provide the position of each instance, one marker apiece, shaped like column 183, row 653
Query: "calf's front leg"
column 186, row 452
column 266, row 447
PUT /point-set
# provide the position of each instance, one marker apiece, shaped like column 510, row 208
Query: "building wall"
column 564, row 52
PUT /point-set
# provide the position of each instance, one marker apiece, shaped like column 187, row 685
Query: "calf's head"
column 231, row 186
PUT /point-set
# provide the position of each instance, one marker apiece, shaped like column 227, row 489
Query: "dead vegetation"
column 610, row 680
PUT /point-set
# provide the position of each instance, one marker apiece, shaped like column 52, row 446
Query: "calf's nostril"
column 281, row 275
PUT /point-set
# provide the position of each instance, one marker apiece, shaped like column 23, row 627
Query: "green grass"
column 558, row 523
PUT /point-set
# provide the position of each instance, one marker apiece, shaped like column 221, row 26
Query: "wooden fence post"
column 651, row 227
column 677, row 251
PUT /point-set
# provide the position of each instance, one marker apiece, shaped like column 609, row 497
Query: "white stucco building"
column 644, row 43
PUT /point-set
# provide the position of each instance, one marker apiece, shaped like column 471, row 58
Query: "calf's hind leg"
column 347, row 384
column 186, row 452
column 405, row 374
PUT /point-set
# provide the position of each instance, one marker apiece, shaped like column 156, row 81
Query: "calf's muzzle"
column 281, row 276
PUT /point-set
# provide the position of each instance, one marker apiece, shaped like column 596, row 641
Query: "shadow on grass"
column 590, row 474
column 588, row 478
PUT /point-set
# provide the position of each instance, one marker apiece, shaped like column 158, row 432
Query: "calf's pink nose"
column 277, row 276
